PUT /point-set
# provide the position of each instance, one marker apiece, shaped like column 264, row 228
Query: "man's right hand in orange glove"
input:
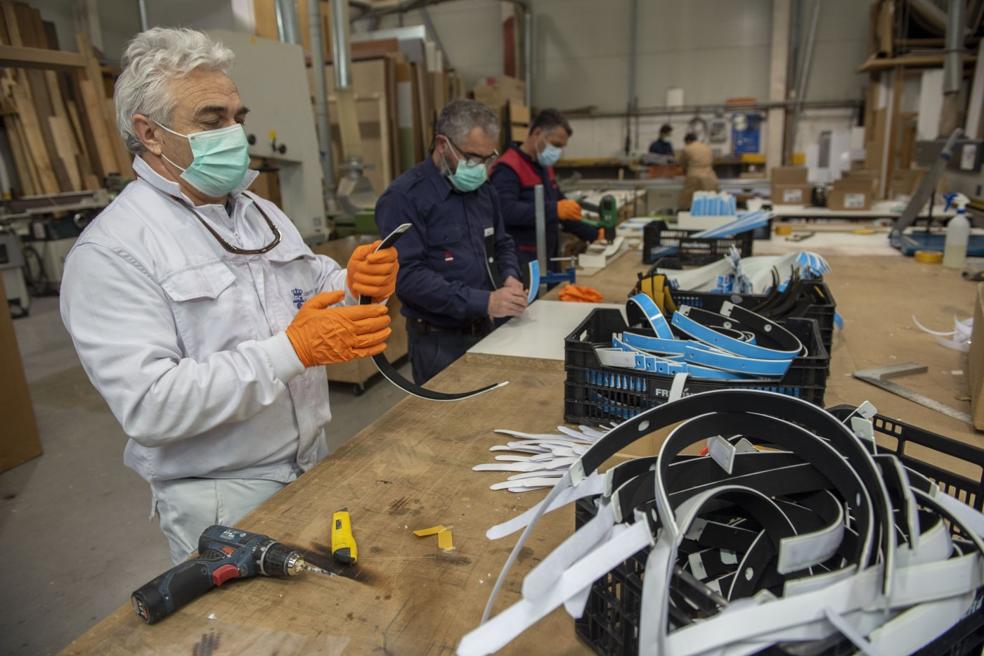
column 507, row 302
column 322, row 334
column 568, row 210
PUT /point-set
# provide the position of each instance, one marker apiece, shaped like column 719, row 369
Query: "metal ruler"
column 879, row 377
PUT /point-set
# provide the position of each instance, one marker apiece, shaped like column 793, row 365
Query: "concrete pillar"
column 777, row 82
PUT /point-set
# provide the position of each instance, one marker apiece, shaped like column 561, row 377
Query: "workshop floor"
column 75, row 539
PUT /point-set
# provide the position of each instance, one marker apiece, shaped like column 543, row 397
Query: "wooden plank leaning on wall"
column 60, row 126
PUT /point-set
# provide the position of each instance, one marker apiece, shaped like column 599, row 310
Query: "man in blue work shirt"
column 662, row 145
column 515, row 175
column 458, row 244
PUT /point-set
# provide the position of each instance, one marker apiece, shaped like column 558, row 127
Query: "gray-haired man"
column 446, row 281
column 197, row 310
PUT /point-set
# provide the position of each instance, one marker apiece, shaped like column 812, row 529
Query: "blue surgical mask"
column 221, row 159
column 549, row 155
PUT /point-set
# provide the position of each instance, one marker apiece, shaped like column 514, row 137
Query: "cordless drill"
column 223, row 553
column 607, row 209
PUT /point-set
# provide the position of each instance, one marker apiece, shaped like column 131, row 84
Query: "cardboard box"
column 791, row 194
column 495, row 92
column 21, row 440
column 518, row 132
column 862, row 175
column 505, row 85
column 788, row 175
column 516, row 122
column 850, row 194
column 975, row 362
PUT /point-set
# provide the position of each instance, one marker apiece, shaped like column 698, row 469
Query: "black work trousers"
column 432, row 350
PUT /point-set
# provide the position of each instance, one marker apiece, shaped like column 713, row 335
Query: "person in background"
column 697, row 161
column 662, row 145
column 449, row 260
column 515, row 175
column 197, row 310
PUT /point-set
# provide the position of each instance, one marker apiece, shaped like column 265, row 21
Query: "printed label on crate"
column 702, row 246
column 854, row 201
column 792, row 196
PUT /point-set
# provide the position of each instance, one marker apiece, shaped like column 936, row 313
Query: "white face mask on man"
column 549, row 154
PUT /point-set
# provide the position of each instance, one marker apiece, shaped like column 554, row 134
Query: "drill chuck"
column 279, row 560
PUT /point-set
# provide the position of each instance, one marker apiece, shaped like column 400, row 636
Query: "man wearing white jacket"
column 196, row 308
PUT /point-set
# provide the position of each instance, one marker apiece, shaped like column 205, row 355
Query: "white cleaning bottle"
column 957, row 235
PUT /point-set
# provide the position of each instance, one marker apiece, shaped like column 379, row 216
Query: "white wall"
column 712, row 49
column 119, row 20
column 470, row 31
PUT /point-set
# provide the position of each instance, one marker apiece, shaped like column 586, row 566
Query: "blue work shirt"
column 661, row 147
column 443, row 277
column 519, row 209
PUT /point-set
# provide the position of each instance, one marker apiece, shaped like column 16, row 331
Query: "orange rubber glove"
column 568, row 210
column 372, row 274
column 322, row 334
column 580, row 294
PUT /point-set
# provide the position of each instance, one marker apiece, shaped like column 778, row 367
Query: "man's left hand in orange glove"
column 371, row 273
column 568, row 210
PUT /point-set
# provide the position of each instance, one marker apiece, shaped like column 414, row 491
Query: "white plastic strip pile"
column 537, row 460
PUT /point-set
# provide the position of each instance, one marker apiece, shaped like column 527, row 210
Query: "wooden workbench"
column 411, row 469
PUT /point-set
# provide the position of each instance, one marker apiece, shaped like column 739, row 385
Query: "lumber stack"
column 57, row 116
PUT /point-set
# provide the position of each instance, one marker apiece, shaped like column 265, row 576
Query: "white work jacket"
column 186, row 340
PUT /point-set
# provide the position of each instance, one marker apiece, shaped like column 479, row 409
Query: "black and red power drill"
column 223, row 554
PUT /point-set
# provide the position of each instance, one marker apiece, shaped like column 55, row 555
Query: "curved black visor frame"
column 390, row 373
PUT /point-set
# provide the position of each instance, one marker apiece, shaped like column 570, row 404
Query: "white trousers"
column 188, row 506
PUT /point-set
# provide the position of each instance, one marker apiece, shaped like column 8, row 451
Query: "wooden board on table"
column 411, row 469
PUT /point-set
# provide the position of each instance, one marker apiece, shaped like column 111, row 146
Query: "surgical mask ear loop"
column 165, row 157
column 444, row 156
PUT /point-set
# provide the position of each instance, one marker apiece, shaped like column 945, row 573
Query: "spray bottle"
column 957, row 233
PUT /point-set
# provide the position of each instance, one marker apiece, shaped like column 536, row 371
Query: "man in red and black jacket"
column 525, row 165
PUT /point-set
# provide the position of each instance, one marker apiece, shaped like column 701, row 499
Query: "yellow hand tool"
column 343, row 547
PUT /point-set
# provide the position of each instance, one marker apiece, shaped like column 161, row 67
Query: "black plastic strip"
column 390, row 373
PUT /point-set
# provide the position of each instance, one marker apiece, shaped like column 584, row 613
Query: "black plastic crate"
column 823, row 307
column 610, row 623
column 596, row 394
column 689, row 250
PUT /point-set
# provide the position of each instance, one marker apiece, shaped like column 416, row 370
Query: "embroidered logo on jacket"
column 298, row 297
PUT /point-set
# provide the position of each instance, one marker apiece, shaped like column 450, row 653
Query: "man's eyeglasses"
column 472, row 158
